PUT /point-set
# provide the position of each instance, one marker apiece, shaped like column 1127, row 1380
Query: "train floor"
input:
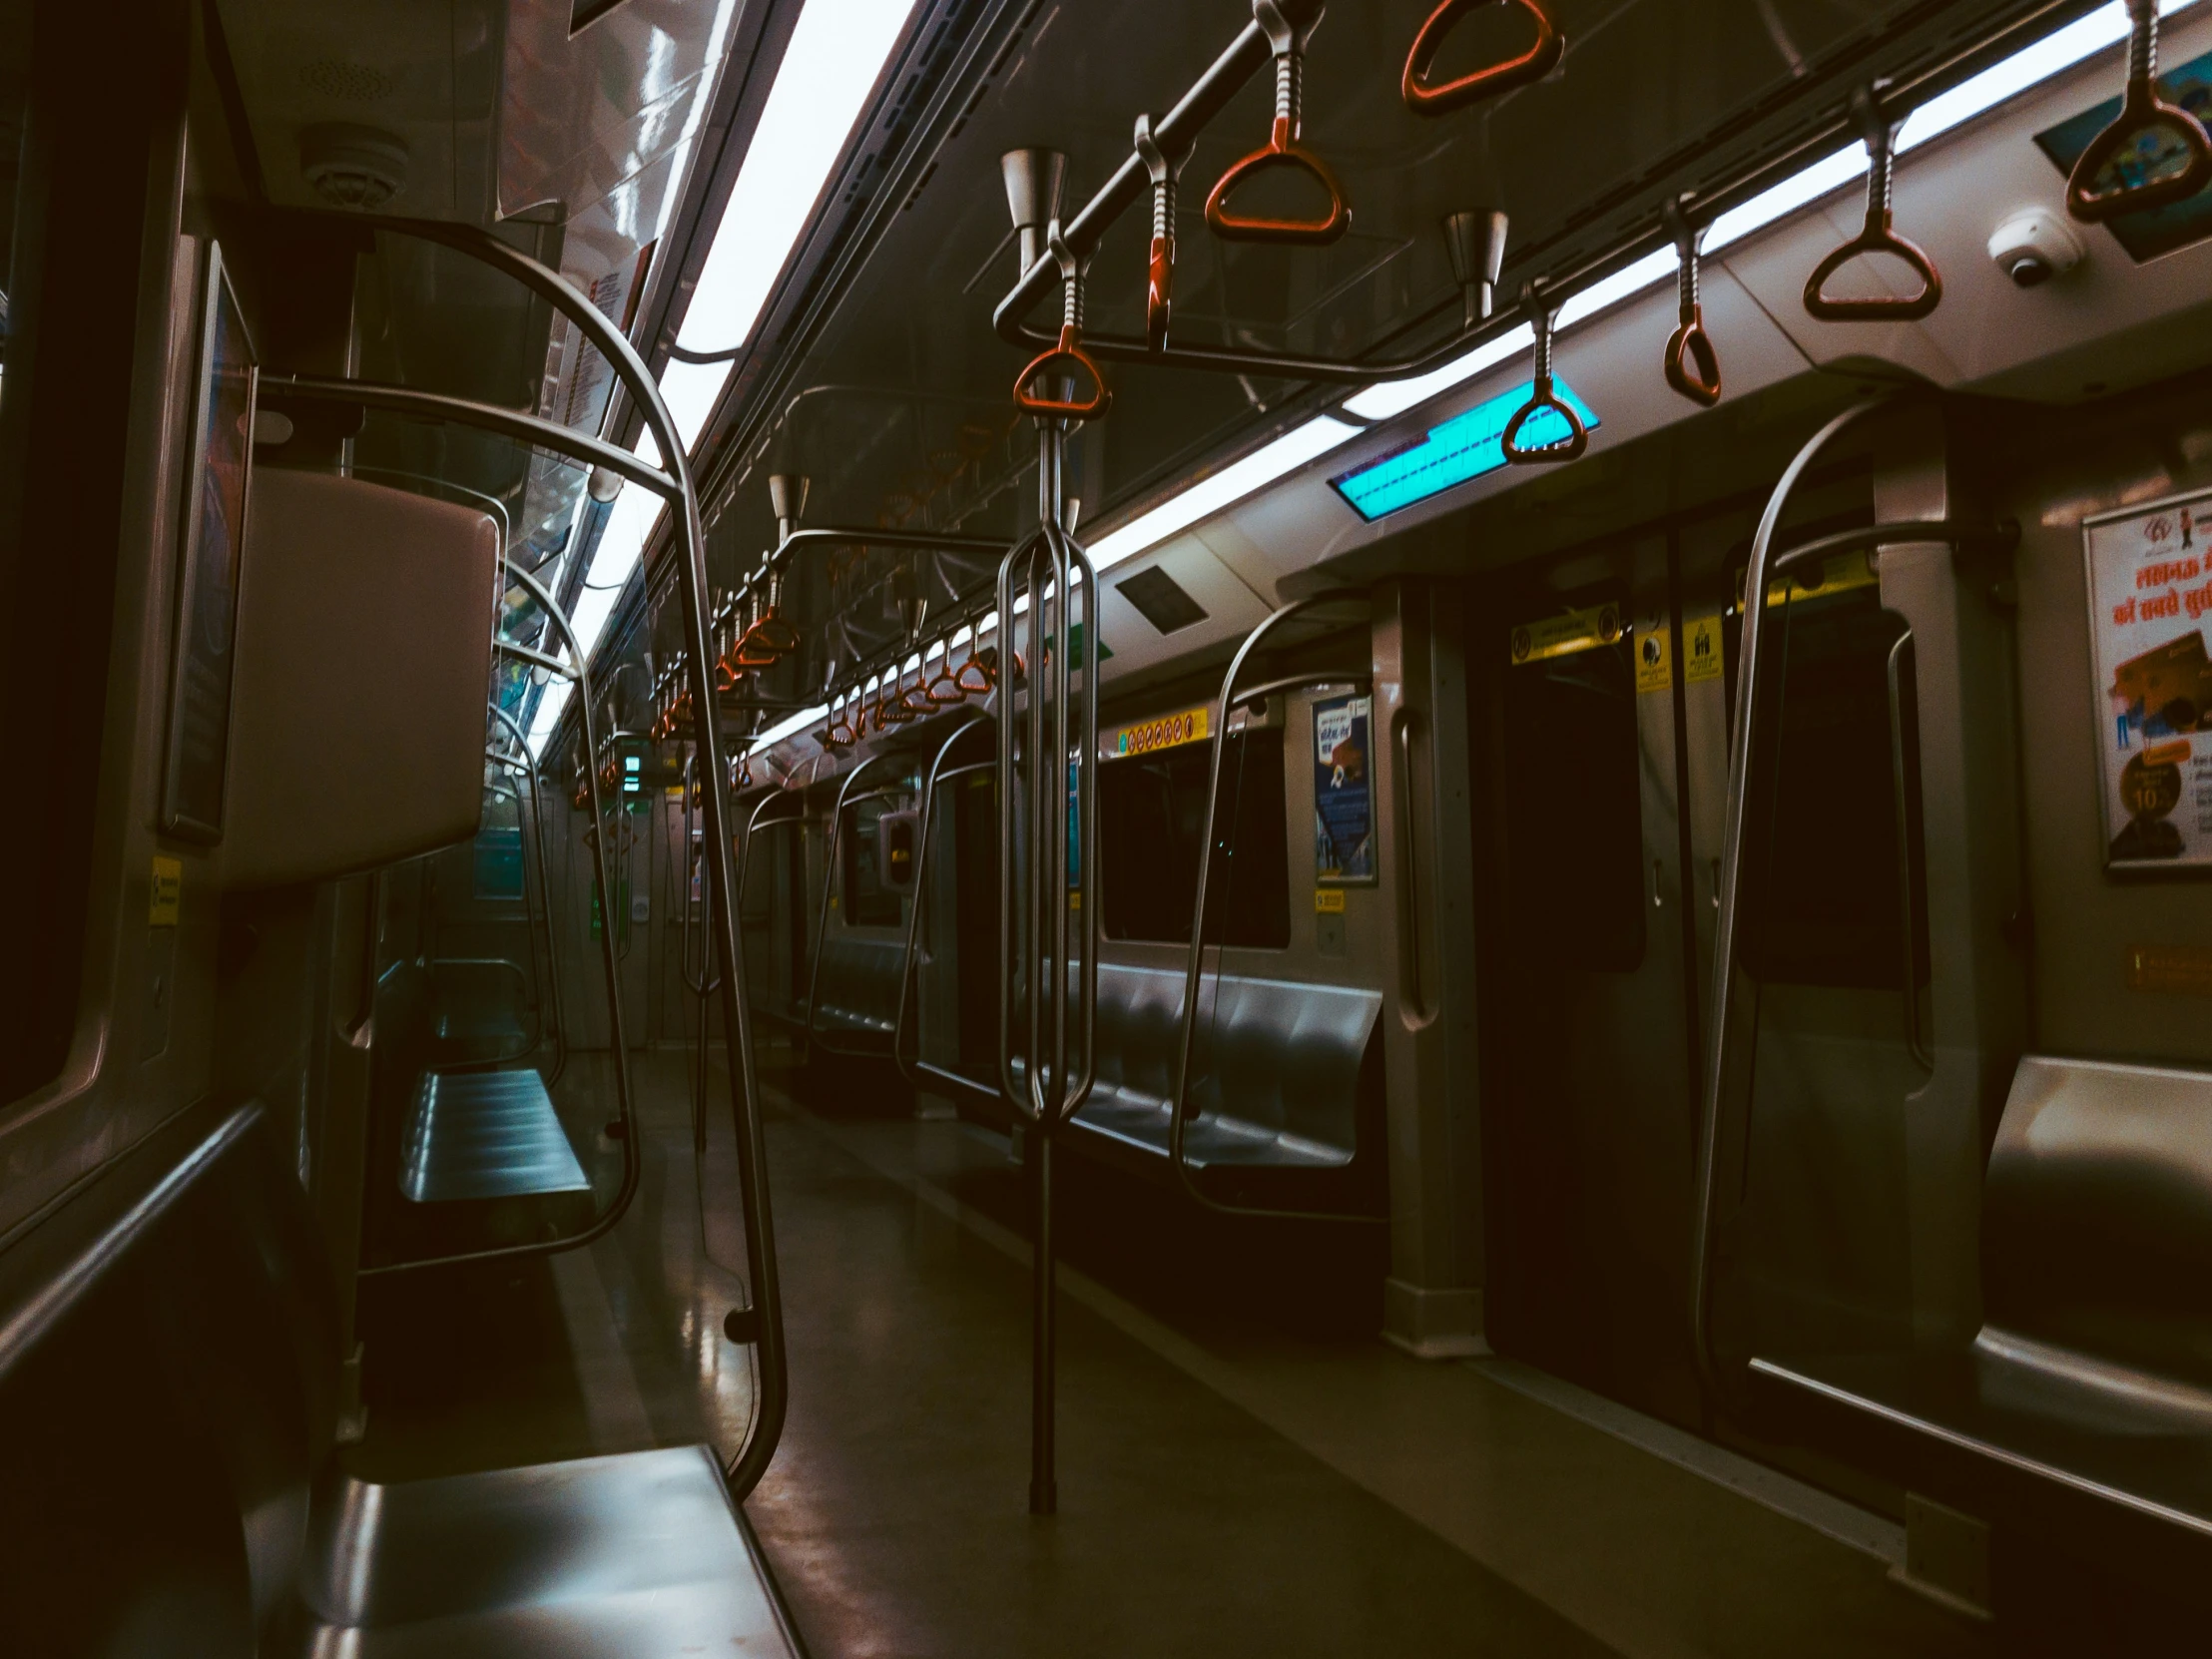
column 1245, row 1467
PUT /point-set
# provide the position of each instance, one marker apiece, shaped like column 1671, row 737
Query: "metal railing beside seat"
column 2083, row 1406
column 179, row 1300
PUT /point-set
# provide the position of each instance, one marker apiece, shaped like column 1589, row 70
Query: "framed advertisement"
column 2150, row 601
column 211, row 543
column 1344, row 792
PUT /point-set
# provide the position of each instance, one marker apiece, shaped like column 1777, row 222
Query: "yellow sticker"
column 1075, row 901
column 168, row 892
column 1328, row 901
column 1570, row 631
column 2177, row 969
column 1654, row 659
column 1839, row 573
column 675, row 792
column 1165, row 732
column 1700, row 649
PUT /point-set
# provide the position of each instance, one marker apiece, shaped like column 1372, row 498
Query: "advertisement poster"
column 2150, row 589
column 1343, row 791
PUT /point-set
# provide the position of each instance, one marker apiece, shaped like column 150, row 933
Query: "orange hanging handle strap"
column 1069, row 358
column 1282, row 151
column 1160, row 272
column 1425, row 97
column 1692, row 367
column 1542, row 397
column 1876, row 238
column 2142, row 112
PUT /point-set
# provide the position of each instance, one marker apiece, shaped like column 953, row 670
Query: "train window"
column 1573, row 808
column 869, row 902
column 1149, row 808
column 1821, row 840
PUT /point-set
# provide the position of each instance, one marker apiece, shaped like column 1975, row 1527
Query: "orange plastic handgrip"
column 1692, row 367
column 1877, row 238
column 1531, row 66
column 1069, row 354
column 1283, row 150
column 2142, row 111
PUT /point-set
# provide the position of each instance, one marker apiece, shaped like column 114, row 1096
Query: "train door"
column 1590, row 1100
column 1879, row 997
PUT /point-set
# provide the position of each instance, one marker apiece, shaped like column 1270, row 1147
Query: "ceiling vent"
column 353, row 167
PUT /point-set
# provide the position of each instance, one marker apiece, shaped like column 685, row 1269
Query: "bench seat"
column 487, row 1135
column 170, row 1328
column 2083, row 1406
column 596, row 1558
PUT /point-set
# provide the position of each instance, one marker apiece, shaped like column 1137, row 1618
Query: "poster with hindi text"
column 2150, row 605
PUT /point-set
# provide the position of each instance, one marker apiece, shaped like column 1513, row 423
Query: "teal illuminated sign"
column 1463, row 447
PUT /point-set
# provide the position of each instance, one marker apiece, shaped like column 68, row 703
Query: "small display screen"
column 214, row 543
column 2155, row 151
column 1463, row 447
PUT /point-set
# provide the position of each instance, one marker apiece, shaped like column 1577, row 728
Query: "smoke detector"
column 353, row 167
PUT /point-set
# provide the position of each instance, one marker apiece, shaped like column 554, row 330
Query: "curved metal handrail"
column 1195, row 967
column 809, row 1041
column 551, row 1022
column 1765, row 565
column 917, row 1069
column 762, row 1323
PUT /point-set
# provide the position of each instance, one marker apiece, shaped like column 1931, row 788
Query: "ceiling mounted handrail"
column 1194, row 968
column 1765, row 566
column 1693, row 368
column 1878, row 127
column 1492, row 80
column 1250, row 51
column 1543, row 397
column 2141, row 110
column 1284, row 151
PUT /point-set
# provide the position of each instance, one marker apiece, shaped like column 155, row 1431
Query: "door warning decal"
column 1700, row 649
column 1654, row 658
column 1565, row 633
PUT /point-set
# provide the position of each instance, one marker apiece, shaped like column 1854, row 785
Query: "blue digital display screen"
column 1465, row 446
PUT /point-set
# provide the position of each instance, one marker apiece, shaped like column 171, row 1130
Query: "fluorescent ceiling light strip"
column 2026, row 68
column 791, row 726
column 837, row 52
column 1231, row 484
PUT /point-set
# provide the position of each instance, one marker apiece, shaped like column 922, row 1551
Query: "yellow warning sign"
column 1654, row 659
column 1165, row 732
column 1839, row 573
column 1328, row 901
column 168, row 892
column 1700, row 649
column 1566, row 632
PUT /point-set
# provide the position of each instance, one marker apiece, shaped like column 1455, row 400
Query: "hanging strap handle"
column 1876, row 238
column 1160, row 272
column 1068, row 354
column 1541, row 58
column 1283, row 150
column 1542, row 397
column 1692, row 367
column 2142, row 112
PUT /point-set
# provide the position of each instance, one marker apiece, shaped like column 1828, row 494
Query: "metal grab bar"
column 1401, row 792
column 1048, row 566
column 821, row 913
column 1766, row 564
column 762, row 1323
column 915, row 1070
column 625, row 1106
column 1195, row 969
column 1362, row 684
column 1904, row 700
column 529, row 769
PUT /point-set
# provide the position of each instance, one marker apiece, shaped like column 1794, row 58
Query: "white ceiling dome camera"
column 2035, row 244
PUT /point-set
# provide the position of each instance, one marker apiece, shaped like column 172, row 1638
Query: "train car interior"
column 949, row 827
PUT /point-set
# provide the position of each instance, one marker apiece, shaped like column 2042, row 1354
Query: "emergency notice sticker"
column 2150, row 598
column 1654, row 658
column 1701, row 649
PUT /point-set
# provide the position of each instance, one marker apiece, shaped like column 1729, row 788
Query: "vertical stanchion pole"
column 1047, row 879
